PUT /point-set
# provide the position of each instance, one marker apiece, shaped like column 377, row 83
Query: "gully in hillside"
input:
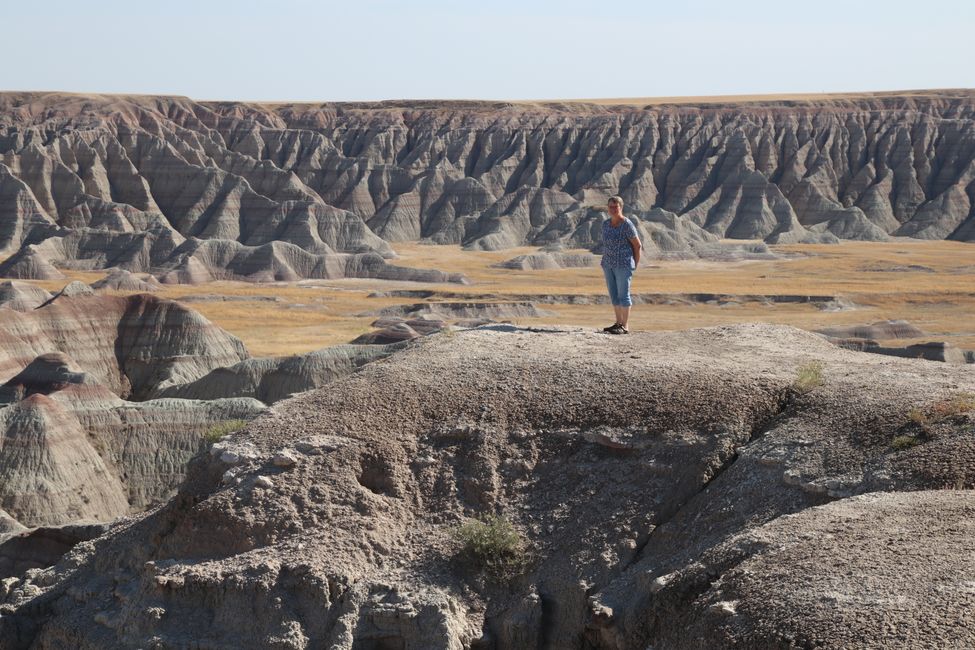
column 621, row 256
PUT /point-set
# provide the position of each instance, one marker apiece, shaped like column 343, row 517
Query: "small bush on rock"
column 220, row 430
column 808, row 376
column 492, row 545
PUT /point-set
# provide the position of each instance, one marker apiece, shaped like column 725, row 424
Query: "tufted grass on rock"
column 953, row 405
column 220, row 430
column 493, row 546
column 903, row 442
column 950, row 407
column 808, row 377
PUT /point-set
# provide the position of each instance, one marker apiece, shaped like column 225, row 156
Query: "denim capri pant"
column 618, row 283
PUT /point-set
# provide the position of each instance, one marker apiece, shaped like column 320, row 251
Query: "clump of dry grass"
column 809, row 376
column 221, row 430
column 952, row 406
column 904, row 442
column 943, row 410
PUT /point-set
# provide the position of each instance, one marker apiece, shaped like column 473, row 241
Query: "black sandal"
column 619, row 329
column 611, row 327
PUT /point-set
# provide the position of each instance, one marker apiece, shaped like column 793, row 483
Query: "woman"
column 621, row 256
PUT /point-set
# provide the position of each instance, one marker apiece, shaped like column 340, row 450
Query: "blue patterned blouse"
column 617, row 252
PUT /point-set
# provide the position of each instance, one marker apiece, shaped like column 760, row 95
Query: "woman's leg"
column 611, row 285
column 624, row 278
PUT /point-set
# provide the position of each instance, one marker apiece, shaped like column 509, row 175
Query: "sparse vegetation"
column 493, row 546
column 333, row 313
column 809, row 376
column 220, row 430
column 903, row 442
column 918, row 417
column 950, row 407
column 953, row 405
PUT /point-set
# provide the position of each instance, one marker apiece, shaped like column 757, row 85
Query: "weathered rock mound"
column 22, row 296
column 466, row 309
column 550, row 261
column 133, row 345
column 122, row 280
column 793, row 563
column 73, row 451
column 40, row 548
column 890, row 329
column 644, row 472
column 270, row 379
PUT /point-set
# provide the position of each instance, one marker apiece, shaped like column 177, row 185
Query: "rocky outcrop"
column 73, row 451
column 672, row 487
column 270, row 379
column 133, row 345
column 447, row 310
column 199, row 261
column 890, row 329
column 40, row 548
column 550, row 261
column 393, row 330
column 22, row 296
column 29, row 264
column 139, row 182
column 122, row 280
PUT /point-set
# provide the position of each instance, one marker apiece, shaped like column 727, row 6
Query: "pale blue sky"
column 375, row 49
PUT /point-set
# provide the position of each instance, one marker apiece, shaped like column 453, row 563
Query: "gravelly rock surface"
column 667, row 484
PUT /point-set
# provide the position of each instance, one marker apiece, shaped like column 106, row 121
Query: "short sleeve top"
column 617, row 252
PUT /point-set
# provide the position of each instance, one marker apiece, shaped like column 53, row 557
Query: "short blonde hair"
column 617, row 200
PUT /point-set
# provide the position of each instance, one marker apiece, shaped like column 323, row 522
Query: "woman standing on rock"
column 621, row 256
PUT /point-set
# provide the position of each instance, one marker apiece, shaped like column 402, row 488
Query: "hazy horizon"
column 305, row 51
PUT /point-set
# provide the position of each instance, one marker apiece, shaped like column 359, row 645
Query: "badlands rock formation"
column 122, row 280
column 22, row 296
column 676, row 490
column 550, row 260
column 864, row 339
column 133, row 345
column 196, row 190
column 270, row 379
column 71, row 450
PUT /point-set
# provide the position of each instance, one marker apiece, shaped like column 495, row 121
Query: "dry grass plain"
column 930, row 284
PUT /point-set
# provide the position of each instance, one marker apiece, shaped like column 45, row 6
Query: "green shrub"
column 219, row 430
column 493, row 546
column 903, row 442
column 808, row 377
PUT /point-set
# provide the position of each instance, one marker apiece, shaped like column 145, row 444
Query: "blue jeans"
column 618, row 283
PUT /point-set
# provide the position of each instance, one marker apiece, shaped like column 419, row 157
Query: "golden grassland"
column 930, row 284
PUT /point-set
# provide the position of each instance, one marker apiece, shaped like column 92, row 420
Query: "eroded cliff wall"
column 304, row 190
